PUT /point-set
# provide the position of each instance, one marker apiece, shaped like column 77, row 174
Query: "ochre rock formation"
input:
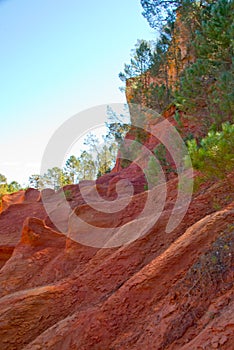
column 16, row 208
column 162, row 291
column 180, row 55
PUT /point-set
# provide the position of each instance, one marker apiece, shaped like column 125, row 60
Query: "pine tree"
column 73, row 168
column 209, row 83
column 213, row 156
column 152, row 172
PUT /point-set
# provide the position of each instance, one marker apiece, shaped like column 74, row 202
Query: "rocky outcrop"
column 153, row 308
column 162, row 291
column 16, row 208
column 13, row 198
column 65, row 285
column 180, row 54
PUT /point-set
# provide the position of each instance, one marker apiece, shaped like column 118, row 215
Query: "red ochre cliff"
column 162, row 291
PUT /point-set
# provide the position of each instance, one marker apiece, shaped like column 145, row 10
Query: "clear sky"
column 58, row 57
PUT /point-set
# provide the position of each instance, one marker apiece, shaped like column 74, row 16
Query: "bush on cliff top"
column 214, row 155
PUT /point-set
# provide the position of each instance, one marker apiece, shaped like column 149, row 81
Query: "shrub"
column 67, row 194
column 152, row 172
column 214, row 156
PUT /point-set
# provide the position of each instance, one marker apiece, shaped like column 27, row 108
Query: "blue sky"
column 58, row 57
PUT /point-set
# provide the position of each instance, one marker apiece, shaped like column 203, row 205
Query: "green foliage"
column 55, row 178
column 106, row 159
column 157, row 12
column 35, row 181
column 102, row 156
column 216, row 206
column 88, row 169
column 177, row 119
column 153, row 59
column 138, row 129
column 158, row 97
column 152, row 172
column 3, row 190
column 98, row 158
column 14, row 186
column 6, row 188
column 68, row 195
column 3, row 179
column 214, row 155
column 160, row 152
column 125, row 163
column 117, row 126
column 117, row 131
column 140, row 62
column 139, row 134
column 129, row 152
column 72, row 168
column 208, row 83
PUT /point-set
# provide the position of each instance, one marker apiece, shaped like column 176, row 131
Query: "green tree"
column 88, row 167
column 107, row 157
column 72, row 169
column 55, row 178
column 6, row 188
column 152, row 172
column 130, row 151
column 140, row 63
column 159, row 97
column 156, row 59
column 35, row 181
column 3, row 179
column 208, row 83
column 214, row 155
column 14, row 186
column 117, row 127
column 3, row 185
column 158, row 12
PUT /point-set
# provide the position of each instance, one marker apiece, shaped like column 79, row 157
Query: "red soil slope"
column 162, row 291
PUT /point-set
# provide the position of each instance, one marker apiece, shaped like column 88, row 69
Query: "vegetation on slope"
column 7, row 188
column 198, row 82
column 204, row 78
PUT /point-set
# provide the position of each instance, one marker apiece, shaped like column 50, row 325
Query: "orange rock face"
column 158, row 291
column 162, row 291
column 16, row 208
